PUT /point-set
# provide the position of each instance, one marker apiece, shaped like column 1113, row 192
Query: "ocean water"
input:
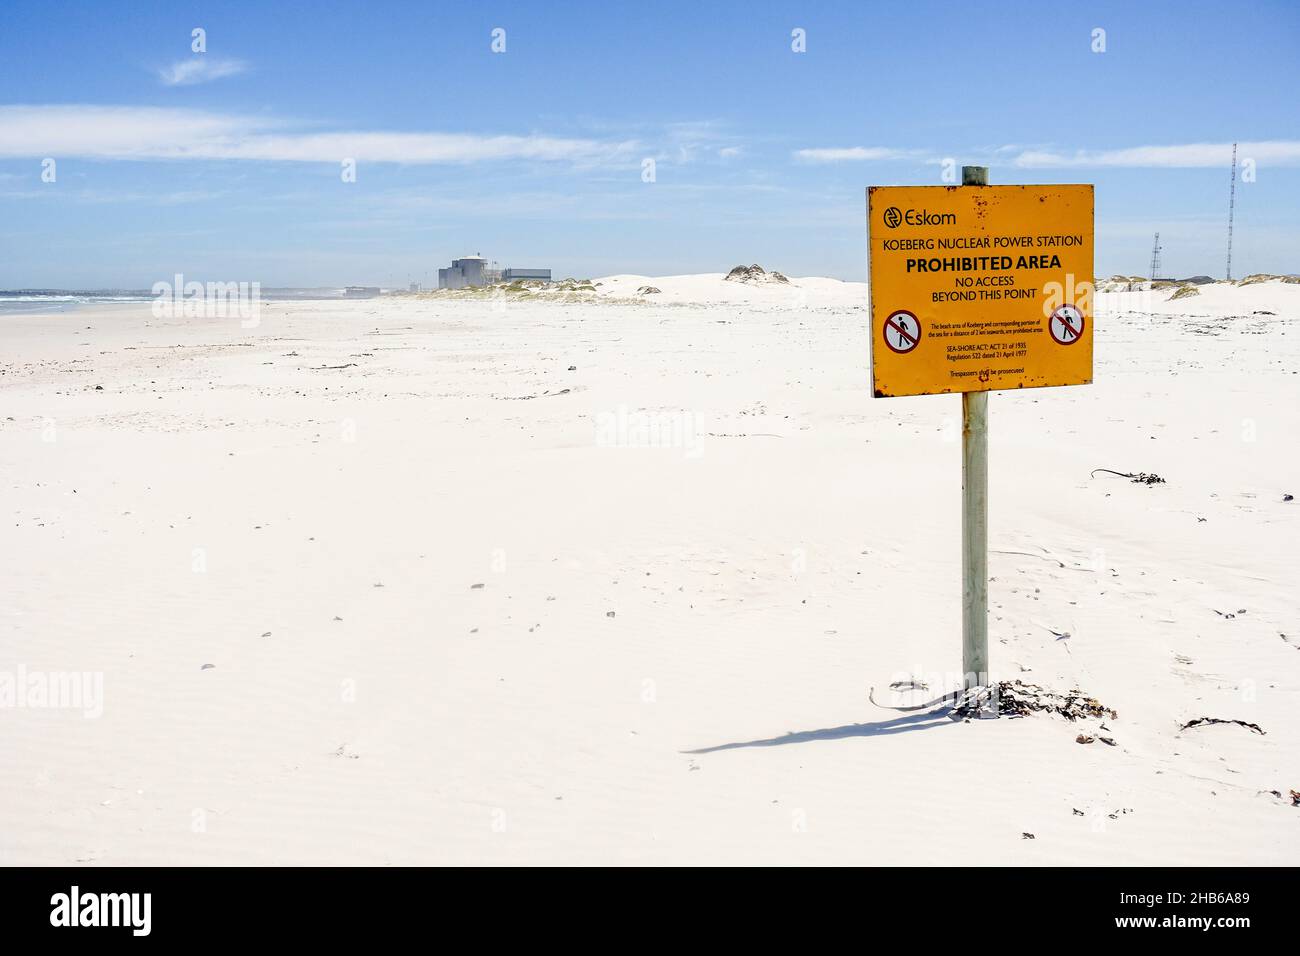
column 35, row 302
column 39, row 301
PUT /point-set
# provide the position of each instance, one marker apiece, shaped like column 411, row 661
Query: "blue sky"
column 226, row 165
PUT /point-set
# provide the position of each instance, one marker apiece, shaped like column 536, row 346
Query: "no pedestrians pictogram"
column 902, row 331
column 1066, row 325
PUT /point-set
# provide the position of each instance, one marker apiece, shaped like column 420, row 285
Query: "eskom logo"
column 102, row 909
column 918, row 217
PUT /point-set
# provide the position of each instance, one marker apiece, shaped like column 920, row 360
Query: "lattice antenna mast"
column 1155, row 259
column 1232, row 202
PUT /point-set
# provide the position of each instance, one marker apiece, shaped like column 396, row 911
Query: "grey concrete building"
column 509, row 275
column 476, row 271
column 469, row 271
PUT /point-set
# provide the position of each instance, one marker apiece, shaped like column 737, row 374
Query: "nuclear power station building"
column 477, row 271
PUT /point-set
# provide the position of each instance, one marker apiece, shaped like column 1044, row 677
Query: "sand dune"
column 608, row 582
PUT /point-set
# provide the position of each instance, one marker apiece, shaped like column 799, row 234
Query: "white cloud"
column 697, row 140
column 852, row 154
column 151, row 133
column 1185, row 155
column 1182, row 155
column 103, row 197
column 200, row 69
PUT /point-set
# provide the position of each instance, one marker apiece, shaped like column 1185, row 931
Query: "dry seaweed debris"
column 1206, row 721
column 1015, row 698
column 1140, row 478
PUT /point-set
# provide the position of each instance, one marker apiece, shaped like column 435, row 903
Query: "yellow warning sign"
column 976, row 288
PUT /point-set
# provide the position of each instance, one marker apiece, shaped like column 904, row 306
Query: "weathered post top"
column 974, row 175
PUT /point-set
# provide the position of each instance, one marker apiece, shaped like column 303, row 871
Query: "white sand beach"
column 503, row 582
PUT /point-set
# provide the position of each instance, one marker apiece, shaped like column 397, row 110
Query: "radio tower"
column 1232, row 202
column 1155, row 259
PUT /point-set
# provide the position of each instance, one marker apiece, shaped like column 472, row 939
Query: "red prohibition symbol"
column 1066, row 325
column 902, row 331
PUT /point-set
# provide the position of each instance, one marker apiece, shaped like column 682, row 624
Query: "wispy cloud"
column 854, row 154
column 200, row 69
column 110, row 196
column 698, row 140
column 1179, row 155
column 153, row 133
column 1184, row 155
